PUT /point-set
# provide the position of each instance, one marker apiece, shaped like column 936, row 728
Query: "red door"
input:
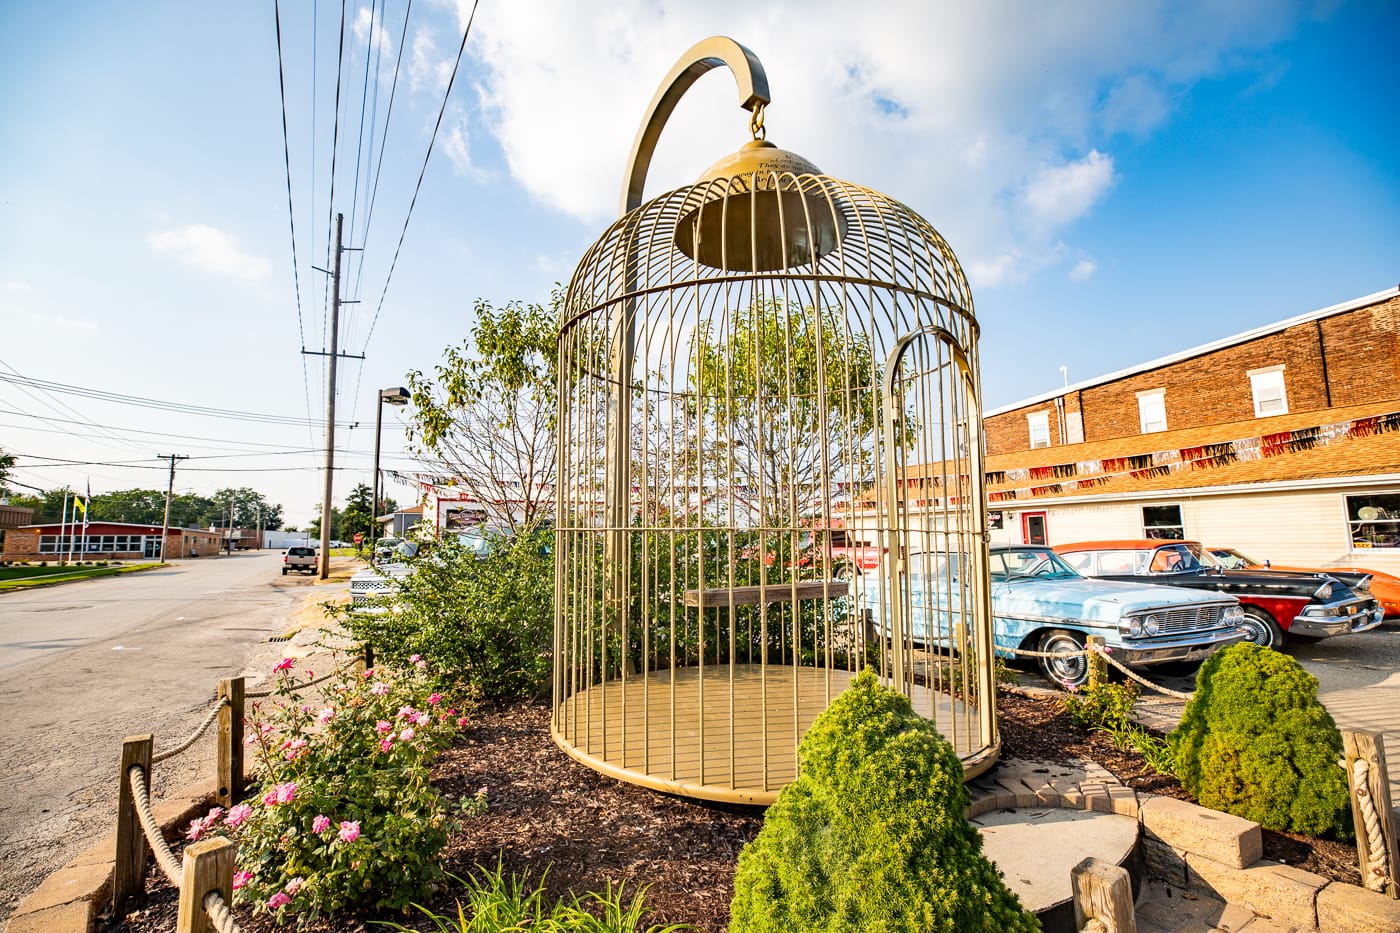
column 1033, row 528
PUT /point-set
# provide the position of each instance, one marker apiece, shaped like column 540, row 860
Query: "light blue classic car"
column 1039, row 603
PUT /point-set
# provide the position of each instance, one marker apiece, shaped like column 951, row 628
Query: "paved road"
column 83, row 665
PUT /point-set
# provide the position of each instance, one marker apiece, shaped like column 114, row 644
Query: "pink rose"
column 283, row 665
column 407, row 735
column 278, row 900
column 321, row 823
column 461, row 722
column 349, row 830
column 386, row 743
column 196, row 830
column 270, row 798
column 237, row 815
column 285, row 792
column 380, row 689
column 422, row 719
column 415, row 658
column 294, row 885
column 369, row 672
column 383, row 726
column 406, row 711
column 240, row 878
column 326, row 715
column 434, row 699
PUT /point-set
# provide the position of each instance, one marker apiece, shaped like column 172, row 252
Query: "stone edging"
column 1195, row 850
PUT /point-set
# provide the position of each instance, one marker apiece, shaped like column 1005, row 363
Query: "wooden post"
column 369, row 656
column 1098, row 666
column 129, row 871
column 1375, row 843
column 230, row 776
column 208, row 867
column 1103, row 892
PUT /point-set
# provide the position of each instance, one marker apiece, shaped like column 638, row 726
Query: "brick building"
column 106, row 541
column 1283, row 441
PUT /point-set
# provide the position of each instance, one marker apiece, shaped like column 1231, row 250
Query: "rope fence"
column 205, row 879
column 1095, row 650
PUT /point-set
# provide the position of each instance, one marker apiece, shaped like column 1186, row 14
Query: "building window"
column 1270, row 398
column 1374, row 520
column 1039, row 423
column 1152, row 410
column 1163, row 522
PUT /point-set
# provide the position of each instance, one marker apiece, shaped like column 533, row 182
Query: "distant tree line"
column 147, row 507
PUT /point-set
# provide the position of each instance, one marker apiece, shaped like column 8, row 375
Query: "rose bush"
column 343, row 813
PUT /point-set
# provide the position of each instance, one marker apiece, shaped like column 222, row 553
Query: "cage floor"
column 704, row 733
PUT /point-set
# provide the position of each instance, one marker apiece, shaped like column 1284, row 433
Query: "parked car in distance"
column 1385, row 587
column 1039, row 603
column 299, row 558
column 1277, row 604
column 394, row 549
column 369, row 587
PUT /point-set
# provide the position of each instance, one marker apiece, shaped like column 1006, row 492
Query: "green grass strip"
column 64, row 575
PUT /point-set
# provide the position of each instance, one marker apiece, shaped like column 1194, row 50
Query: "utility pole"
column 170, row 488
column 324, row 564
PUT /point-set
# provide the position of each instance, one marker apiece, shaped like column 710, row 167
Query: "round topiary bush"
column 1255, row 742
column 871, row 836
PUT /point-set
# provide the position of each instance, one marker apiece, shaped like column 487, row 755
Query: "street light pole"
column 397, row 395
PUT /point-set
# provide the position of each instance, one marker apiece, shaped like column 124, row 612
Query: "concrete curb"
column 72, row 899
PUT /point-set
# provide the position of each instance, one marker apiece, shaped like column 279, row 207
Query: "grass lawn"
column 12, row 578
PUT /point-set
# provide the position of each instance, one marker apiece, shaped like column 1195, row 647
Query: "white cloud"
column 18, row 288
column 455, row 140
column 977, row 115
column 1060, row 194
column 211, row 250
column 427, row 71
column 1083, row 270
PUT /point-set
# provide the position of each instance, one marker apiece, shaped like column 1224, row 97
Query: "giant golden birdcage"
column 770, row 470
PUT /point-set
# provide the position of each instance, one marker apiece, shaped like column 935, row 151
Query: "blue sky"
column 1121, row 181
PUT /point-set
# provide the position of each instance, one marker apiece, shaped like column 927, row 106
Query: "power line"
column 291, row 212
column 105, row 396
column 423, row 171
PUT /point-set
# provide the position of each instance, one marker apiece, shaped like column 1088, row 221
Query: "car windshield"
column 1026, row 562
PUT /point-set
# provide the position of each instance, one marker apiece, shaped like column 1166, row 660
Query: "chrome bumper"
column 1362, row 619
column 1195, row 647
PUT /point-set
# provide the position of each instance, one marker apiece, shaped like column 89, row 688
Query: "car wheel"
column 1064, row 671
column 1262, row 629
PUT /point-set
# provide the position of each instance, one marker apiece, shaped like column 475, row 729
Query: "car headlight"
column 1233, row 613
column 1132, row 625
column 1324, row 591
column 1152, row 625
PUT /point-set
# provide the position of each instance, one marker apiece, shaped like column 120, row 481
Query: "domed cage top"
column 770, row 477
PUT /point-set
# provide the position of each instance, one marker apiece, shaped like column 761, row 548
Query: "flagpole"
column 62, row 529
column 87, row 504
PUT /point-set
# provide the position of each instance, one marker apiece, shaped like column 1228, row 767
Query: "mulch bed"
column 551, row 817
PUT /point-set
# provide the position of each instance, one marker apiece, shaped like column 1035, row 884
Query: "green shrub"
column 1106, row 705
column 344, row 813
column 871, row 836
column 1255, row 742
column 483, row 622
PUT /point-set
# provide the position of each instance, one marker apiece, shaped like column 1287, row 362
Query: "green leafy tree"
column 871, row 836
column 47, row 506
column 356, row 519
column 250, row 509
column 756, row 385
column 1255, row 741
column 313, row 527
column 7, row 463
column 485, row 418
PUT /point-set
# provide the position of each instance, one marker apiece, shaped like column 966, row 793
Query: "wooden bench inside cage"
column 766, row 593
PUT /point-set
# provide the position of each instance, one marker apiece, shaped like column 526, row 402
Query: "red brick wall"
column 1360, row 348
